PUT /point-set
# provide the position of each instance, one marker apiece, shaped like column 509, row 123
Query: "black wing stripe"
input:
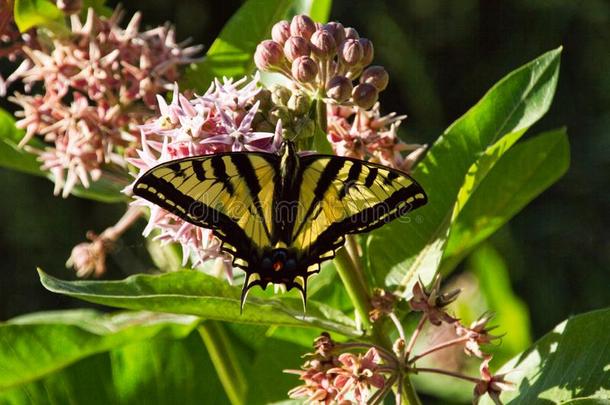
column 352, row 176
column 390, row 178
column 370, row 218
column 197, row 213
column 246, row 170
column 370, row 179
column 220, row 172
column 330, row 172
column 198, row 169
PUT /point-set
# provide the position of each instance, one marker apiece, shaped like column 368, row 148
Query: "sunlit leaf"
column 524, row 172
column 160, row 370
column 195, row 293
column 454, row 167
column 37, row 13
column 570, row 362
column 38, row 344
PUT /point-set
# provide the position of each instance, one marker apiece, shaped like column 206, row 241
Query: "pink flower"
column 432, row 302
column 218, row 121
column 478, row 334
column 365, row 134
column 99, row 84
column 491, row 384
column 357, row 375
column 343, row 379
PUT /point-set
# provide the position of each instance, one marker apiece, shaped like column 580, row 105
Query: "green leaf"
column 160, row 370
column 318, row 10
column 35, row 345
column 459, row 160
column 231, row 54
column 37, row 13
column 570, row 362
column 522, row 174
column 194, row 293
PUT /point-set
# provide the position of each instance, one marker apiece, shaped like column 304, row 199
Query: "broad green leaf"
column 35, row 345
column 570, row 362
column 160, row 370
column 454, row 167
column 524, row 172
column 231, row 54
column 194, row 293
column 37, row 13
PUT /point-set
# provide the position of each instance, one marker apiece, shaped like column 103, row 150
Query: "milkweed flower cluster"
column 324, row 60
column 99, row 84
column 330, row 376
column 221, row 120
column 340, row 373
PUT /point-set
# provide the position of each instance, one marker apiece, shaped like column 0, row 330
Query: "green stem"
column 354, row 284
column 408, row 394
column 224, row 360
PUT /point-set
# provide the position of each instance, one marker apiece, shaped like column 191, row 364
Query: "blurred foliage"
column 442, row 56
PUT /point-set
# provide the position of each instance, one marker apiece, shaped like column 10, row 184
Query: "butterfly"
column 280, row 215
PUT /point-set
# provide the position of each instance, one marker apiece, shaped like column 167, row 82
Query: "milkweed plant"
column 99, row 100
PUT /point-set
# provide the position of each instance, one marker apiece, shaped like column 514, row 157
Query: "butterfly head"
column 277, row 266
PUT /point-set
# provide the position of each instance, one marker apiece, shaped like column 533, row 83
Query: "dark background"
column 442, row 56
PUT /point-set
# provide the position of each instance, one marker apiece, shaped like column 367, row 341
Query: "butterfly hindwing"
column 340, row 196
column 230, row 193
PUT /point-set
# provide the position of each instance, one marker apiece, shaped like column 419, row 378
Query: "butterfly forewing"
column 229, row 193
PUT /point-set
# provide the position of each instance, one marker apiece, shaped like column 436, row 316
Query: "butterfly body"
column 280, row 215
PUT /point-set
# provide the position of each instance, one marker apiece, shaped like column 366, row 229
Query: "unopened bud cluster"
column 324, row 59
column 290, row 107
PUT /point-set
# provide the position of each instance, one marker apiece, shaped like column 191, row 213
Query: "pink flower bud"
column 351, row 33
column 377, row 76
column 365, row 95
column 295, row 47
column 323, row 44
column 302, row 26
column 339, row 88
column 269, row 54
column 336, row 30
column 350, row 52
column 304, row 69
column 367, row 51
column 281, row 32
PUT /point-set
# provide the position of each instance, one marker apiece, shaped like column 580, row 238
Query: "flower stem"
column 439, row 347
column 354, row 284
column 127, row 220
column 224, row 360
column 445, row 372
column 408, row 395
column 414, row 336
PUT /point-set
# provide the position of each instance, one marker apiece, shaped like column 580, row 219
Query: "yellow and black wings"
column 340, row 196
column 230, row 193
column 280, row 215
